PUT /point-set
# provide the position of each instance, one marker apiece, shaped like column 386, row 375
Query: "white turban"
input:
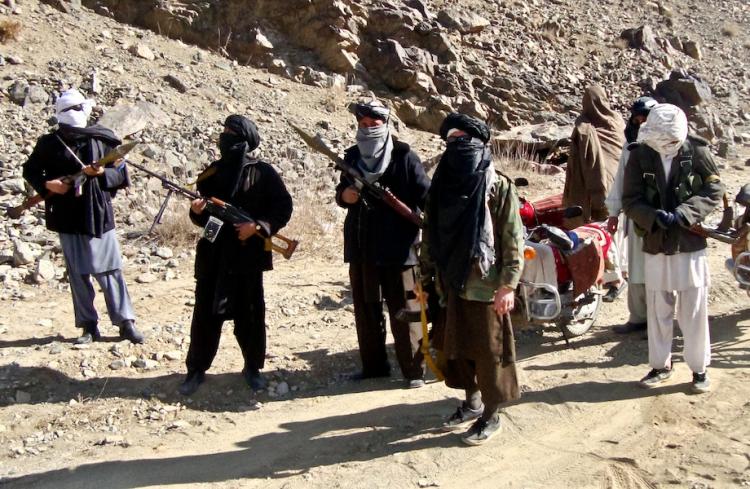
column 77, row 117
column 665, row 129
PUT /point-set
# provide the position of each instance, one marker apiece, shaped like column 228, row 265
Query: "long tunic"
column 89, row 255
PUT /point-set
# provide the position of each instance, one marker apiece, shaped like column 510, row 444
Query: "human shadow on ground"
column 324, row 376
column 294, row 450
column 48, row 340
column 305, row 445
column 728, row 348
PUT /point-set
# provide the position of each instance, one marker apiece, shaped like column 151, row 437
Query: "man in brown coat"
column 595, row 148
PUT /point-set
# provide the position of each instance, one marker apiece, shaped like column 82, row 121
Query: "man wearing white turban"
column 671, row 184
column 82, row 212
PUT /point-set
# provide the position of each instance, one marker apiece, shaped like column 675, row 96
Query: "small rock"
column 45, row 271
column 282, row 388
column 118, row 364
column 164, row 252
column 142, row 51
column 145, row 364
column 146, row 278
column 173, row 355
column 178, row 425
column 176, row 83
column 55, row 349
column 693, row 49
column 22, row 253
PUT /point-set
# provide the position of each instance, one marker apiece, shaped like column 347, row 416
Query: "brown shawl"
column 596, row 144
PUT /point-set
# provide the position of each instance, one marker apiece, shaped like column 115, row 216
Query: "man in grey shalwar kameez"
column 82, row 213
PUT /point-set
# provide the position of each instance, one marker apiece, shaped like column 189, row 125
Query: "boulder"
column 126, row 119
column 641, row 38
column 684, row 90
column 44, row 272
column 463, row 22
column 692, row 49
column 22, row 253
column 533, row 138
column 399, row 67
column 142, row 51
column 12, row 186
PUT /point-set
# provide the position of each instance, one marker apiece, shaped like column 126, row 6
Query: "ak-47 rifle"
column 75, row 180
column 373, row 189
column 219, row 209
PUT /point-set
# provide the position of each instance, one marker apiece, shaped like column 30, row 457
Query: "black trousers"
column 248, row 309
column 371, row 285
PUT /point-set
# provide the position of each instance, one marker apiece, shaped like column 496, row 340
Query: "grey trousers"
column 115, row 291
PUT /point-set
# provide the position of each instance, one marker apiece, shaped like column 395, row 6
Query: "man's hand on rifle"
column 350, row 195
column 57, row 186
column 93, row 170
column 197, row 206
column 504, row 300
column 246, row 230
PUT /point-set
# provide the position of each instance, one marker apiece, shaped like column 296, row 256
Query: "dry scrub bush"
column 176, row 229
column 9, row 30
column 730, row 29
column 317, row 223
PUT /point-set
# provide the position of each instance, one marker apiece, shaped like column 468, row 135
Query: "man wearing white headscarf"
column 671, row 184
column 81, row 212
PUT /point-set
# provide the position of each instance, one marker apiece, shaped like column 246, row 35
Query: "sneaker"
column 414, row 383
column 656, row 376
column 254, row 379
column 700, row 384
column 464, row 414
column 481, row 431
column 630, row 328
column 191, row 383
column 614, row 291
column 90, row 334
column 130, row 333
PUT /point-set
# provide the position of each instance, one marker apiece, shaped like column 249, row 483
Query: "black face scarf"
column 631, row 130
column 456, row 211
column 235, row 148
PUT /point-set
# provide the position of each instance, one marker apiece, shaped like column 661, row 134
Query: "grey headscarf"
column 375, row 147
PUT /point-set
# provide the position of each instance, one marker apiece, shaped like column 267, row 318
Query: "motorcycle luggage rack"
column 742, row 268
column 542, row 311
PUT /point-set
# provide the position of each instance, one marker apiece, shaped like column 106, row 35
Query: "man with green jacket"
column 671, row 184
column 473, row 242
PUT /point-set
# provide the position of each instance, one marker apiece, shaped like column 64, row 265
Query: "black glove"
column 665, row 219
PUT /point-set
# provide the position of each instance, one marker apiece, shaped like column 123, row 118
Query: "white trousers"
column 691, row 306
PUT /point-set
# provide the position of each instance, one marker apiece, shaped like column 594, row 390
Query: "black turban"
column 245, row 129
column 470, row 125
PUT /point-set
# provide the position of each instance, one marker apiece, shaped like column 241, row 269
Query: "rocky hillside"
column 512, row 62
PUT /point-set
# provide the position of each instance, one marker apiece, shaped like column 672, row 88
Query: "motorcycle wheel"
column 582, row 318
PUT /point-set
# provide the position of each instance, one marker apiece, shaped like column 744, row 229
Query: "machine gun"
column 221, row 210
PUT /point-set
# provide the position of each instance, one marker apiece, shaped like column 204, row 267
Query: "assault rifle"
column 374, row 190
column 75, row 180
column 219, row 209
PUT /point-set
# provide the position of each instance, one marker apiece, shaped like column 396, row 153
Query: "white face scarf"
column 665, row 130
column 78, row 117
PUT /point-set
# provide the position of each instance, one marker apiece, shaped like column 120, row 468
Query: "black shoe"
column 630, row 328
column 414, row 383
column 130, row 333
column 191, row 383
column 614, row 291
column 254, row 379
column 464, row 414
column 656, row 376
column 700, row 384
column 362, row 375
column 90, row 333
column 481, row 431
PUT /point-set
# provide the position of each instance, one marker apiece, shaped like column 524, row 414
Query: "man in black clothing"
column 81, row 212
column 378, row 243
column 229, row 268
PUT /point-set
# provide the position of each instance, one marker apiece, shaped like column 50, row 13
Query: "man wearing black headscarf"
column 473, row 246
column 229, row 269
column 378, row 243
column 82, row 213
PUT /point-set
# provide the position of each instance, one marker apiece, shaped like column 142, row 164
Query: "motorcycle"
column 563, row 279
column 734, row 231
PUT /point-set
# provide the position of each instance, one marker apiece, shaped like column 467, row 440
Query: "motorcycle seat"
column 556, row 236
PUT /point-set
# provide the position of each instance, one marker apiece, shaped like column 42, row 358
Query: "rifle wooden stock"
column 17, row 211
column 707, row 232
column 402, row 209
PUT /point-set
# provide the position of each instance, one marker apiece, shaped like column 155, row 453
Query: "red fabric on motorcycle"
column 561, row 267
column 549, row 210
column 586, row 264
column 597, row 232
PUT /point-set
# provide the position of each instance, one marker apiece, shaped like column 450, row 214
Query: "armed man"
column 81, row 212
column 473, row 246
column 230, row 259
column 672, row 184
column 378, row 242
